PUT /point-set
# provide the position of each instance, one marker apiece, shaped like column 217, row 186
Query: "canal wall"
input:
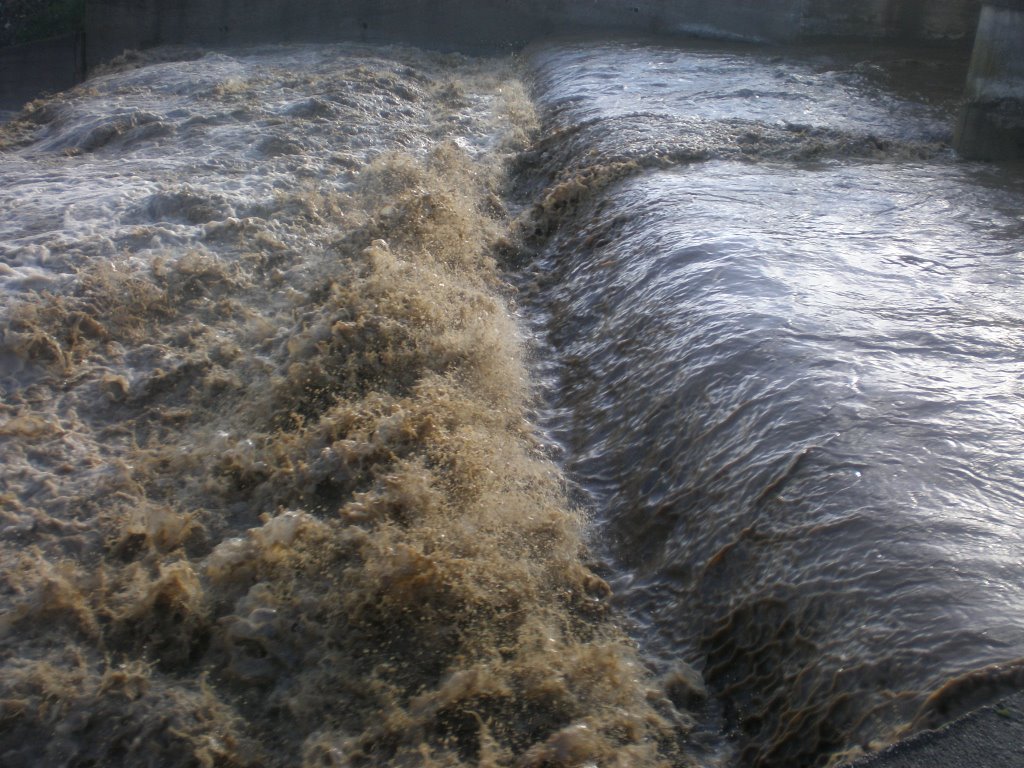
column 46, row 66
column 914, row 20
column 991, row 125
column 473, row 26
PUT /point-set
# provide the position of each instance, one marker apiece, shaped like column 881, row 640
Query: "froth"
column 272, row 496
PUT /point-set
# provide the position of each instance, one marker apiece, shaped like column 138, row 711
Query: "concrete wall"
column 28, row 70
column 904, row 19
column 480, row 25
column 468, row 25
column 991, row 125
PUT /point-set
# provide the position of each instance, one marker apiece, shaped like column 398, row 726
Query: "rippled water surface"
column 599, row 81
column 793, row 388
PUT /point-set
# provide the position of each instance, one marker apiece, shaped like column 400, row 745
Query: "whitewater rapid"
column 271, row 496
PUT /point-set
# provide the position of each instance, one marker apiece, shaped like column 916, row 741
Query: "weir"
column 258, row 294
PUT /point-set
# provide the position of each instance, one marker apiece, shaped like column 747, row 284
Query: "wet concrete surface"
column 989, row 737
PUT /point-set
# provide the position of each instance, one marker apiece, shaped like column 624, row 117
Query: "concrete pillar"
column 991, row 124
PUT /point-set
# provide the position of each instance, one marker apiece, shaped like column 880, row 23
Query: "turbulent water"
column 788, row 352
column 278, row 484
column 270, row 496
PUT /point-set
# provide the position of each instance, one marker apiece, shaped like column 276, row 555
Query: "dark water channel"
column 789, row 378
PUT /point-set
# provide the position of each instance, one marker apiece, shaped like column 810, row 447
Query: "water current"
column 339, row 383
column 270, row 497
column 788, row 356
